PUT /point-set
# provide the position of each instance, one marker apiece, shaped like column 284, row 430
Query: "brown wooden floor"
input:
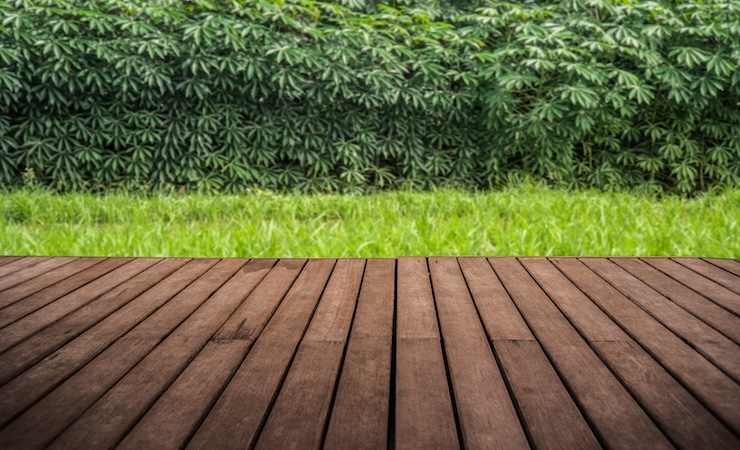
column 351, row 353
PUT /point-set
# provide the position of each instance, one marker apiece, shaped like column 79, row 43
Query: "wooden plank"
column 90, row 343
column 35, row 428
column 20, row 264
column 730, row 265
column 8, row 259
column 718, row 391
column 708, row 288
column 32, row 303
column 106, row 422
column 658, row 393
column 299, row 415
column 38, row 346
column 250, row 318
column 97, row 360
column 424, row 415
column 229, row 424
column 55, row 412
column 585, row 316
column 714, row 346
column 33, row 271
column 551, row 417
column 38, row 320
column 714, row 273
column 175, row 416
column 485, row 410
column 360, row 415
column 719, row 318
column 118, row 364
column 688, row 423
column 538, row 392
column 618, row 421
column 498, row 313
column 33, row 286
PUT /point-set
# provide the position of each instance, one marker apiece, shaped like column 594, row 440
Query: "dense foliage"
column 353, row 95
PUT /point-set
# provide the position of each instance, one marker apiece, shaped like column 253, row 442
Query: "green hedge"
column 230, row 95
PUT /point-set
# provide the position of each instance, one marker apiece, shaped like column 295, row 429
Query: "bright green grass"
column 522, row 221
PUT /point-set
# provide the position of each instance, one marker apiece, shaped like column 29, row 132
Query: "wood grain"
column 424, row 416
column 360, row 416
column 705, row 380
column 717, row 274
column 255, row 383
column 414, row 352
column 708, row 288
column 608, row 406
column 485, row 410
column 714, row 315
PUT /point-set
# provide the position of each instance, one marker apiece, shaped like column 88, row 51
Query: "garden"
column 356, row 128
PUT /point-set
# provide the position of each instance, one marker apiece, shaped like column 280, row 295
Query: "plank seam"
column 689, row 287
column 499, row 364
column 606, row 364
column 109, row 287
column 672, row 301
column 195, row 354
column 330, row 409
column 78, row 332
column 47, row 287
column 678, row 261
column 28, row 313
column 275, row 394
column 662, row 322
column 563, row 380
column 655, row 358
column 448, row 375
column 208, row 410
column 161, row 339
column 92, row 357
column 43, row 258
column 71, row 260
column 8, row 259
column 709, row 260
column 391, row 444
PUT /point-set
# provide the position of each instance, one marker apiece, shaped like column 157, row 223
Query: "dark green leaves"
column 231, row 95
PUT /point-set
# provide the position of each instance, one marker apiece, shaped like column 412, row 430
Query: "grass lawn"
column 521, row 221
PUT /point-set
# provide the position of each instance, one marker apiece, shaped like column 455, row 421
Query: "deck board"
column 41, row 344
column 706, row 380
column 617, row 420
column 716, row 316
column 708, row 288
column 414, row 352
column 301, row 409
column 24, row 289
column 730, row 265
column 717, row 274
column 16, row 265
column 8, row 259
column 424, row 416
column 486, row 412
column 107, row 421
column 65, row 289
column 710, row 343
column 360, row 417
column 259, row 377
column 33, row 271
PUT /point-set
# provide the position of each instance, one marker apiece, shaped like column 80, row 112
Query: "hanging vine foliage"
column 318, row 96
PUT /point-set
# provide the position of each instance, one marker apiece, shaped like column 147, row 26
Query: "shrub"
column 229, row 95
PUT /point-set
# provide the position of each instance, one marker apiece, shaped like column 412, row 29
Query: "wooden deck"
column 352, row 353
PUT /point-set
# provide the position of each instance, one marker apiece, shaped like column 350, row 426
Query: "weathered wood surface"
column 417, row 352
